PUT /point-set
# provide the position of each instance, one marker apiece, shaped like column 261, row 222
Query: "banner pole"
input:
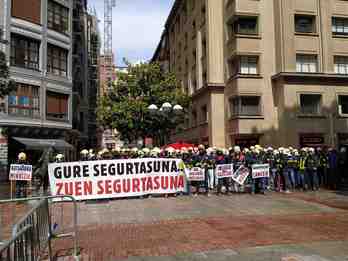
column 11, row 188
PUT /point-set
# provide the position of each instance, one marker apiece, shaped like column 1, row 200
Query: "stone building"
column 270, row 72
column 39, row 35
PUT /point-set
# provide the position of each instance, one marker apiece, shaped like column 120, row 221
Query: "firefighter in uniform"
column 21, row 185
column 220, row 160
column 311, row 165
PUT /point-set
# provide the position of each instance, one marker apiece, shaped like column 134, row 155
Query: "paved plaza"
column 300, row 226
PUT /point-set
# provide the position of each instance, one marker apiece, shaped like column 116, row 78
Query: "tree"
column 125, row 107
column 6, row 85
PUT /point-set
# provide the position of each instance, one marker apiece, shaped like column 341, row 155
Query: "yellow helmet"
column 22, row 156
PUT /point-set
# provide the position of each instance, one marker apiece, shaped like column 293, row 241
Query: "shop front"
column 33, row 141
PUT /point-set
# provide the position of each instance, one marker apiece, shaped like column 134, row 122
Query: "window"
column 204, row 114
column 343, row 104
column 341, row 64
column 204, row 78
column 194, row 118
column 193, row 29
column 203, row 13
column 310, row 103
column 82, row 122
column 24, row 52
column 305, row 24
column 57, row 17
column 246, row 25
column 193, row 4
column 57, row 106
column 28, row 10
column 25, row 102
column 204, row 47
column 245, row 106
column 306, row 63
column 57, row 60
column 339, row 26
column 248, row 65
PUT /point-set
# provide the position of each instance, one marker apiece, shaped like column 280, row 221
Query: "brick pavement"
column 171, row 228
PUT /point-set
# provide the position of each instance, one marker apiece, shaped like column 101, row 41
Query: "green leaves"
column 6, row 85
column 125, row 108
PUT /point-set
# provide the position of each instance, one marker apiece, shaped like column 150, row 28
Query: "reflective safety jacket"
column 323, row 161
column 302, row 163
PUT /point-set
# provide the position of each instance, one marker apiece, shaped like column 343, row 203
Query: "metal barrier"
column 21, row 247
column 38, row 219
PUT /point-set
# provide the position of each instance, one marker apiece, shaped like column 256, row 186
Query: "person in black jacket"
column 21, row 185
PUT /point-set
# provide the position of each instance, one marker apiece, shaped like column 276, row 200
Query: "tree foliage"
column 6, row 85
column 125, row 107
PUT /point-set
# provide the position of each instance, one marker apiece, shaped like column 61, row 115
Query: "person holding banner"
column 238, row 160
column 258, row 184
column 187, row 159
column 221, row 160
column 201, row 160
column 21, row 185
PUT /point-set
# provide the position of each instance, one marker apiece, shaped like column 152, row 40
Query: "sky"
column 137, row 27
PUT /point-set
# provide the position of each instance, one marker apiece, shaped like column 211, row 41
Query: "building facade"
column 192, row 47
column 93, row 49
column 261, row 72
column 39, row 36
column 85, row 55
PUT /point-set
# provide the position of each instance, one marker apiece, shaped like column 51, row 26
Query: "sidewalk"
column 5, row 190
column 236, row 227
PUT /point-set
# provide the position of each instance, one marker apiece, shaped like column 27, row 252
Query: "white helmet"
column 236, row 149
column 59, row 156
column 22, row 156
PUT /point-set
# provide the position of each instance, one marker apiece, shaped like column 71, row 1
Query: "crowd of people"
column 290, row 169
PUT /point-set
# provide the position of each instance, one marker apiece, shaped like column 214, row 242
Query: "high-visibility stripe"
column 302, row 164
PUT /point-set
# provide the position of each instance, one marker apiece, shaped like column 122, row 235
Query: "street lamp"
column 178, row 108
column 166, row 106
column 166, row 110
column 152, row 108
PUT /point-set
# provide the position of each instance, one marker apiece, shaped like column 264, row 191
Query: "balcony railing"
column 23, row 111
column 57, row 116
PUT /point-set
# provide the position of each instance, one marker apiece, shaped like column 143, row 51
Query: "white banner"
column 260, row 171
column 196, row 174
column 116, row 178
column 21, row 172
column 241, row 175
column 224, row 171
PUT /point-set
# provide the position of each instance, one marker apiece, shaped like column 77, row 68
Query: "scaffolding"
column 108, row 56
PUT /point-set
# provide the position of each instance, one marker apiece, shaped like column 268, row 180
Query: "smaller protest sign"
column 260, row 171
column 224, row 171
column 20, row 172
column 241, row 175
column 196, row 174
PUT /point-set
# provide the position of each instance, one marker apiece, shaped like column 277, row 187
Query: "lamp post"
column 165, row 110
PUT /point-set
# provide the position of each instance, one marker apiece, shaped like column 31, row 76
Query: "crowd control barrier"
column 32, row 234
